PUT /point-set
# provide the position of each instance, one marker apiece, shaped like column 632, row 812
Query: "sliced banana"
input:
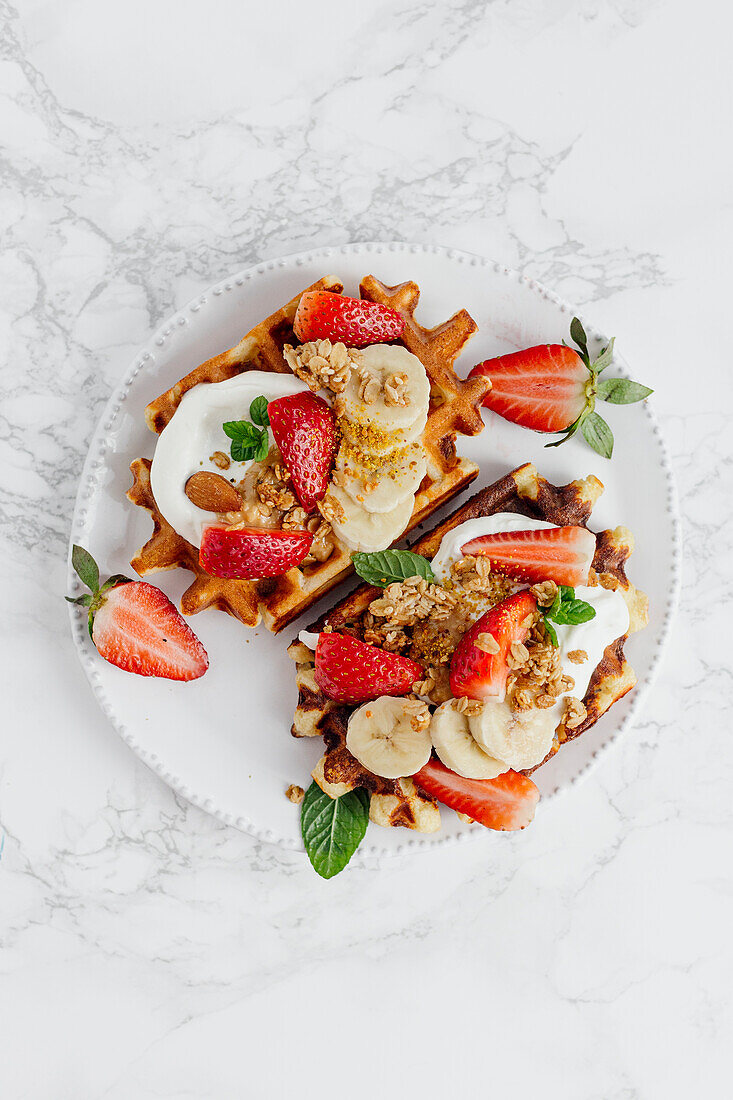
column 382, row 362
column 372, row 439
column 382, row 488
column 457, row 747
column 381, row 737
column 368, row 531
column 521, row 739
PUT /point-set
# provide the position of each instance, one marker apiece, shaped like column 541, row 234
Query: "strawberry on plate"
column 249, row 553
column 559, row 554
column 322, row 315
column 136, row 627
column 554, row 388
column 505, row 803
column 478, row 674
column 305, row 431
column 350, row 671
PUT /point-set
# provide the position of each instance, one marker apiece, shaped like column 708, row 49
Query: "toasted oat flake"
column 395, row 390
column 575, row 712
column 487, row 643
column 577, row 656
column 295, row 794
column 331, row 510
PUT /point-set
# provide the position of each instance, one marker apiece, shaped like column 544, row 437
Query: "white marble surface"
column 150, row 149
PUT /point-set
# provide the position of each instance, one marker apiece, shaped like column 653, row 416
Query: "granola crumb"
column 575, row 712
column 470, row 707
column 321, row 364
column 577, row 656
column 295, row 794
column 395, row 390
column 220, row 459
column 544, row 592
column 331, row 510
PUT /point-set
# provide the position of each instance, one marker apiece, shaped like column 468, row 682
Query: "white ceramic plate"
column 223, row 741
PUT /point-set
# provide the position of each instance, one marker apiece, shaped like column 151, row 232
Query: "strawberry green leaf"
column 604, row 359
column 333, row 828
column 577, row 333
column 387, row 566
column 622, row 391
column 114, row 580
column 598, row 435
column 574, row 427
column 85, row 567
column 83, row 601
column 258, row 411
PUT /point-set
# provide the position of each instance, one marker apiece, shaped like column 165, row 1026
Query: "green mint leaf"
column 85, row 567
column 598, row 435
column 241, row 431
column 566, row 592
column 248, row 441
column 387, row 566
column 622, row 391
column 258, row 412
column 577, row 333
column 554, row 606
column 333, row 828
column 551, row 632
column 263, row 447
column 572, row 612
column 605, row 357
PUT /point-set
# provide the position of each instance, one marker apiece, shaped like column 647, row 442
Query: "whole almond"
column 212, row 492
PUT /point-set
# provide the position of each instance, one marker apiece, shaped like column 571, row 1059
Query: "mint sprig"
column 333, row 828
column 565, row 610
column 616, row 391
column 387, row 566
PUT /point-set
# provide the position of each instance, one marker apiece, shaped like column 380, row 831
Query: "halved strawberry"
column 136, row 627
column 304, row 428
column 559, row 554
column 322, row 315
column 554, row 388
column 505, row 803
column 248, row 553
column 478, row 674
column 543, row 388
column 351, row 671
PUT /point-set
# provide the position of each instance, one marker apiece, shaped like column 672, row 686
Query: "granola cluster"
column 474, row 575
column 411, row 600
column 321, row 364
column 536, row 678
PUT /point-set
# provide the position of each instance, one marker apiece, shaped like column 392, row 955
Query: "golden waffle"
column 454, row 407
column 397, row 802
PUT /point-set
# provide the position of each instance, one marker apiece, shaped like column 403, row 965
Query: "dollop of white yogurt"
column 196, row 431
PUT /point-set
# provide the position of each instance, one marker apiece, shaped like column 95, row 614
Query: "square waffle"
column 397, row 801
column 454, row 407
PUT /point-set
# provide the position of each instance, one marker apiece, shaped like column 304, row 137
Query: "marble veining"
column 149, row 950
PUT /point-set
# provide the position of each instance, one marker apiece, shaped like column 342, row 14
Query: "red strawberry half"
column 559, row 554
column 248, row 553
column 305, row 431
column 544, row 388
column 136, row 627
column 322, row 315
column 478, row 674
column 507, row 802
column 351, row 671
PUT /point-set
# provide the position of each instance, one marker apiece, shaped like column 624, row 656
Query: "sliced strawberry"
column 478, row 674
column 305, row 431
column 559, row 554
column 543, row 388
column 135, row 626
column 248, row 553
column 505, row 803
column 138, row 629
column 322, row 315
column 351, row 671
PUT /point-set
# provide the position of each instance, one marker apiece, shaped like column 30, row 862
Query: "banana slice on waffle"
column 381, row 488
